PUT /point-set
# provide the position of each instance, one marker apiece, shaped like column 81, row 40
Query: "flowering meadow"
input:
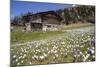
column 75, row 45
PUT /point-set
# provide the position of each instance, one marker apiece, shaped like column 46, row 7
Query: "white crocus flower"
column 25, row 55
column 81, row 53
column 62, row 42
column 86, row 57
column 45, row 54
column 22, row 61
column 93, row 48
column 16, row 60
column 78, row 55
column 30, row 63
column 18, row 63
column 42, row 57
column 14, row 56
column 92, row 51
column 75, row 56
column 85, row 52
column 35, row 57
column 56, row 55
column 93, row 56
column 81, row 46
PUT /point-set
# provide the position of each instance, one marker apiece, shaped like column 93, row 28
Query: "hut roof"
column 50, row 14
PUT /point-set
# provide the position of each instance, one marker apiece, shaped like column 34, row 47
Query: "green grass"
column 17, row 37
column 78, row 25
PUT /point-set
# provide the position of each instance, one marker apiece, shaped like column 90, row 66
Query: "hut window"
column 48, row 26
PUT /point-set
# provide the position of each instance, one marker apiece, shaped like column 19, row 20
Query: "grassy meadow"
column 74, row 43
